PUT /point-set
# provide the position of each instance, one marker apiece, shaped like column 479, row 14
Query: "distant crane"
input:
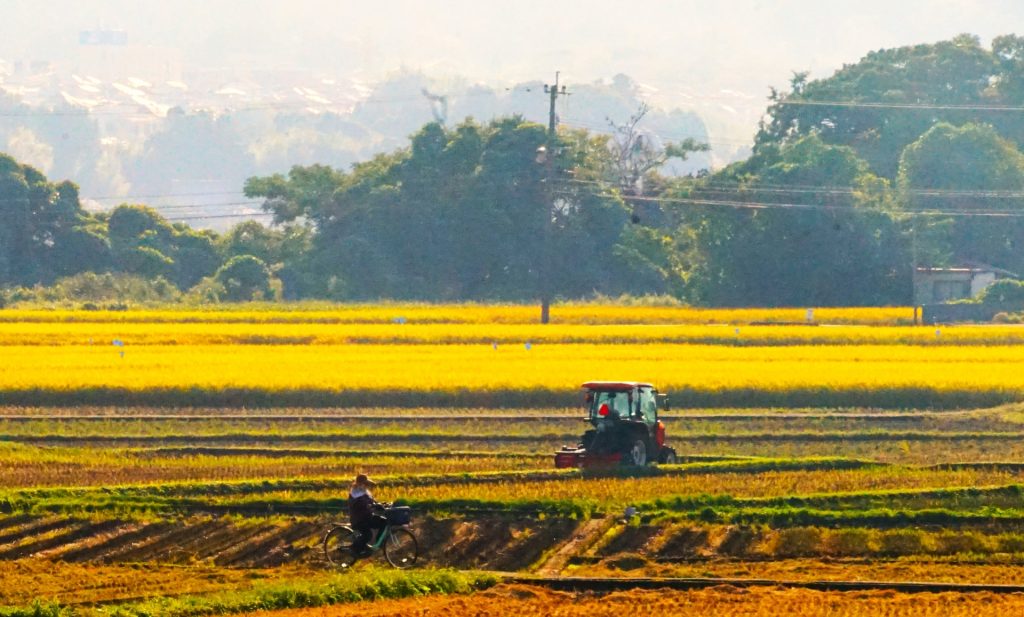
column 438, row 106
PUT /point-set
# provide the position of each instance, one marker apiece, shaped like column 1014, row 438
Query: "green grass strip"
column 36, row 609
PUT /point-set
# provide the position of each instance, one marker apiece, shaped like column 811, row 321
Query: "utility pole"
column 549, row 164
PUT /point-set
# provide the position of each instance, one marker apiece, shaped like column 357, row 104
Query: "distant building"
column 937, row 285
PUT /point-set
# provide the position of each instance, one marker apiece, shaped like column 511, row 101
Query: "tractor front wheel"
column 637, row 454
column 668, row 457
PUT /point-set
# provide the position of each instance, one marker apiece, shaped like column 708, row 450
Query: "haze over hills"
column 335, row 82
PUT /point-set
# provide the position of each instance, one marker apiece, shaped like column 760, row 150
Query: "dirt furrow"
column 48, row 541
column 34, row 527
column 531, row 544
column 108, row 549
column 151, row 546
column 247, row 553
column 93, row 541
column 304, row 546
column 231, row 537
column 19, row 520
column 189, row 547
column 88, row 531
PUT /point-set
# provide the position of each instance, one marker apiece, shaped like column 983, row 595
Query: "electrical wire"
column 713, row 186
column 883, row 105
column 754, row 205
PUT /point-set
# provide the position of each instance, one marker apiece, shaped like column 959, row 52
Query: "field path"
column 587, row 534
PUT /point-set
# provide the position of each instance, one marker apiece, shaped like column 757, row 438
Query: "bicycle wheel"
column 338, row 547
column 401, row 549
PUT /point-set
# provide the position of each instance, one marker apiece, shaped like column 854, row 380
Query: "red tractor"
column 626, row 427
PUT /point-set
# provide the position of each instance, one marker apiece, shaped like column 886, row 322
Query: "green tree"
column 143, row 242
column 459, row 214
column 45, row 232
column 253, row 238
column 195, row 255
column 245, row 278
column 140, row 241
column 965, row 170
column 846, row 248
column 930, row 80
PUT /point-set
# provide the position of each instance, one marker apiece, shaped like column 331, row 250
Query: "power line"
column 222, row 204
column 755, row 205
column 881, row 105
column 200, row 217
column 162, row 195
column 726, row 187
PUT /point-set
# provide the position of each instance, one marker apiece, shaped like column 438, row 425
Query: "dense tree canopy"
column 462, row 213
column 45, row 233
column 908, row 157
column 963, row 171
column 844, row 249
column 823, row 226
column 891, row 97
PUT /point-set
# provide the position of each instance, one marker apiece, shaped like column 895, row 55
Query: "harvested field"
column 725, row 601
column 26, row 580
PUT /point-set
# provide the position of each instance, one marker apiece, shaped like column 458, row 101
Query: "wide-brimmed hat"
column 364, row 481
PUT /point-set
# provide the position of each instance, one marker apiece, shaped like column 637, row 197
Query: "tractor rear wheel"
column 637, row 454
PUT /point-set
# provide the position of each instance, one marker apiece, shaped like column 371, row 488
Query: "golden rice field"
column 59, row 333
column 878, row 375
column 497, row 356
column 468, row 314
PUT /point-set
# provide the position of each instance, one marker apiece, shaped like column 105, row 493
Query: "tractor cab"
column 626, row 430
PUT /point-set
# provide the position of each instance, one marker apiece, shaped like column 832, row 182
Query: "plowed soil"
column 26, row 580
column 495, row 543
column 525, row 601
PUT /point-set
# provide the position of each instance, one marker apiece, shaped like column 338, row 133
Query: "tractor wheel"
column 637, row 454
column 668, row 457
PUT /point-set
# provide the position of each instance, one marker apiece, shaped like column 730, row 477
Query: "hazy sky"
column 502, row 40
column 683, row 48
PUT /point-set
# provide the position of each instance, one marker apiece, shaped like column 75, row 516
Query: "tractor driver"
column 362, row 514
column 616, row 406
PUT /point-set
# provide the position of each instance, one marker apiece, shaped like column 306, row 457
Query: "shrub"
column 848, row 543
column 245, row 278
column 1010, row 544
column 207, row 291
column 1005, row 291
column 1004, row 317
column 98, row 290
column 952, row 542
column 737, row 541
column 797, row 542
column 902, row 542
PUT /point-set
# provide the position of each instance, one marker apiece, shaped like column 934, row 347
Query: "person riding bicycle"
column 362, row 511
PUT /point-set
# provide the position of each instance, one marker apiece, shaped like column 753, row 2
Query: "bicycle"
column 396, row 539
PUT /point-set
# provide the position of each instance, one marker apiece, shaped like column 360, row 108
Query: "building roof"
column 967, row 266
